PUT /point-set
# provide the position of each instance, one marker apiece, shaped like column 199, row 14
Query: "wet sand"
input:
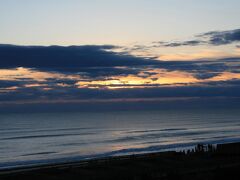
column 203, row 162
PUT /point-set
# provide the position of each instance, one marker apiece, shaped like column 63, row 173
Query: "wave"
column 39, row 153
column 24, row 130
column 157, row 130
column 172, row 146
column 164, row 134
column 46, row 136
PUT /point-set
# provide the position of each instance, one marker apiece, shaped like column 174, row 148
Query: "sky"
column 106, row 51
column 124, row 22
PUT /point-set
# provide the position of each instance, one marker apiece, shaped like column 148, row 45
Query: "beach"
column 220, row 161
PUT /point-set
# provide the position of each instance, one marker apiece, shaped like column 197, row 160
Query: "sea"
column 30, row 139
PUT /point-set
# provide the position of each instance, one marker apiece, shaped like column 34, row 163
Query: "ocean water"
column 32, row 139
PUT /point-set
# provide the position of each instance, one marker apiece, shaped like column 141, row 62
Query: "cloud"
column 89, row 61
column 37, row 74
column 7, row 84
column 69, row 58
column 222, row 37
column 214, row 38
column 183, row 43
column 71, row 94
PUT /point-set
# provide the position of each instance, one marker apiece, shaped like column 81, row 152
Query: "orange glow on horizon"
column 145, row 79
column 26, row 73
column 161, row 78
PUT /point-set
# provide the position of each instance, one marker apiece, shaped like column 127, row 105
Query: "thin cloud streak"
column 213, row 38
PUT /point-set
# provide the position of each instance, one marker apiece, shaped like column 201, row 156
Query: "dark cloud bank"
column 100, row 62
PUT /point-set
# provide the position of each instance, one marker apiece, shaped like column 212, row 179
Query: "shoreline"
column 108, row 155
column 227, row 154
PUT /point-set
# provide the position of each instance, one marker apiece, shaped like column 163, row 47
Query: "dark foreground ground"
column 204, row 162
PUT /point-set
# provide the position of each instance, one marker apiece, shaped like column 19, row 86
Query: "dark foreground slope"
column 205, row 162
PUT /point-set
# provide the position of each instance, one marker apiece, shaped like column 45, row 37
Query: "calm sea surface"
column 29, row 139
